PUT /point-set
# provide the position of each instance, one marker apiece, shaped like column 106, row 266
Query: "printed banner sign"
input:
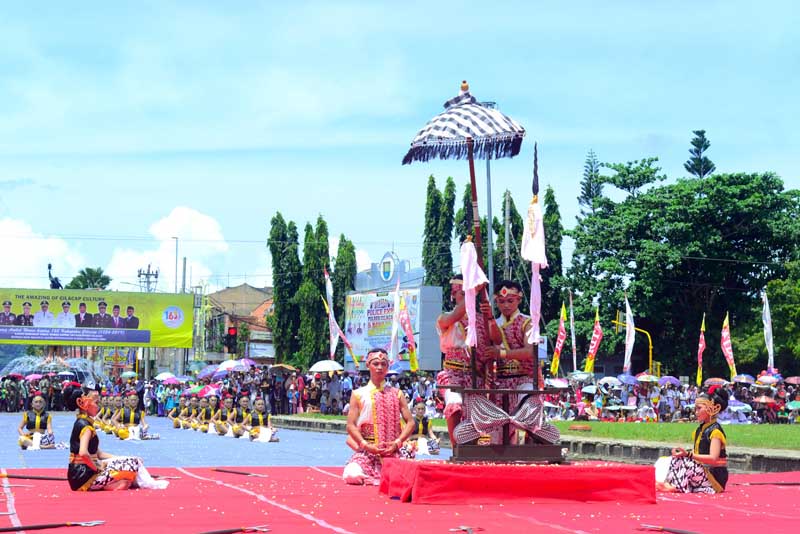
column 95, row 318
column 368, row 320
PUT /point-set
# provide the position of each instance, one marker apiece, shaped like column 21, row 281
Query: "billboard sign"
column 368, row 320
column 95, row 318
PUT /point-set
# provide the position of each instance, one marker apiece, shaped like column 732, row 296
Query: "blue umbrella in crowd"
column 744, row 379
column 627, row 379
column 207, row 371
column 671, row 380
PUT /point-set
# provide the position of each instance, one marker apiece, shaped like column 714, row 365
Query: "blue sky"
column 124, row 125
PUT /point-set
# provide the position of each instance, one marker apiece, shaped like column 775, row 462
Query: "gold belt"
column 456, row 365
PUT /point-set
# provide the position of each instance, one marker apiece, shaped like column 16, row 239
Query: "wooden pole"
column 476, row 227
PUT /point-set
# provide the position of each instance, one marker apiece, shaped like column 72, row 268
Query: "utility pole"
column 489, row 248
column 506, row 224
column 148, row 280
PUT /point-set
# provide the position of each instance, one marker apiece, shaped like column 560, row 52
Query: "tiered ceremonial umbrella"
column 467, row 130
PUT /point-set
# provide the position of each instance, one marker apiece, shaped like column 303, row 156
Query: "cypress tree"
column 343, row 279
column 699, row 165
column 591, row 184
column 282, row 244
column 430, row 238
column 553, row 277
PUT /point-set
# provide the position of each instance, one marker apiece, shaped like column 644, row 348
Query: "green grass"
column 751, row 436
column 677, row 434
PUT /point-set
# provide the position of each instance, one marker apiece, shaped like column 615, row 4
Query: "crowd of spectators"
column 288, row 392
column 651, row 402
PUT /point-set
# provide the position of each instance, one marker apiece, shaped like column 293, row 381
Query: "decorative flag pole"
column 701, row 347
column 394, row 349
column 572, row 334
column 405, row 323
column 594, row 344
column 333, row 327
column 562, row 336
column 766, row 318
column 630, row 335
column 533, row 250
column 335, row 331
column 727, row 346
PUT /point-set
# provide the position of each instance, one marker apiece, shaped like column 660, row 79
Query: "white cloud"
column 199, row 239
column 363, row 261
column 26, row 254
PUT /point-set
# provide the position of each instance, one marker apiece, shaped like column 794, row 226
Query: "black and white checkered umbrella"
column 464, row 120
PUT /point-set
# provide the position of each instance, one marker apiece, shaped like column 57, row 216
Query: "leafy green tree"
column 444, row 256
column 517, row 269
column 591, row 184
column 343, row 277
column 464, row 225
column 89, row 278
column 699, row 165
column 313, row 328
column 633, row 175
column 430, row 239
column 553, row 277
column 286, row 277
column 680, row 250
column 242, row 338
column 784, row 301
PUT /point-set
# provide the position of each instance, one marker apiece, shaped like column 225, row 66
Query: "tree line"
column 298, row 322
column 707, row 243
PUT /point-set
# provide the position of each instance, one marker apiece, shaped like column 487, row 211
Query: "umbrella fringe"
column 491, row 148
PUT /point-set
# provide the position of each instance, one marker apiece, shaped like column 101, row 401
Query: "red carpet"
column 432, row 482
column 304, row 500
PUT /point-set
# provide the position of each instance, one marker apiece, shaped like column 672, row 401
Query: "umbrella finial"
column 464, row 86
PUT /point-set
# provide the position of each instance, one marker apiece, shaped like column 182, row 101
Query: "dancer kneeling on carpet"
column 260, row 424
column 90, row 468
column 374, row 422
column 704, row 469
column 36, row 428
column 425, row 441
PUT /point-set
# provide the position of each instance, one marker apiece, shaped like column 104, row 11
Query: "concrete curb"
column 739, row 458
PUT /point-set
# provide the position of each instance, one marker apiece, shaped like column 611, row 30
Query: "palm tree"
column 89, row 278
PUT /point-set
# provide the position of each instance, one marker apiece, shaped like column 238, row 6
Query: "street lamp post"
column 176, row 263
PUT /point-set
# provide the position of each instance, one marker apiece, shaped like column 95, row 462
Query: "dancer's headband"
column 376, row 354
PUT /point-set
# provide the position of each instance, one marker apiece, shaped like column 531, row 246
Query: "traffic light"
column 230, row 339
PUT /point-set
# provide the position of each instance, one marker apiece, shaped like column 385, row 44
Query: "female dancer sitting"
column 90, row 468
column 704, row 468
column 36, row 429
column 260, row 424
column 220, row 419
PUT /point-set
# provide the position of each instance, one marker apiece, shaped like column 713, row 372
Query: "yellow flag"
column 562, row 335
column 700, row 348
